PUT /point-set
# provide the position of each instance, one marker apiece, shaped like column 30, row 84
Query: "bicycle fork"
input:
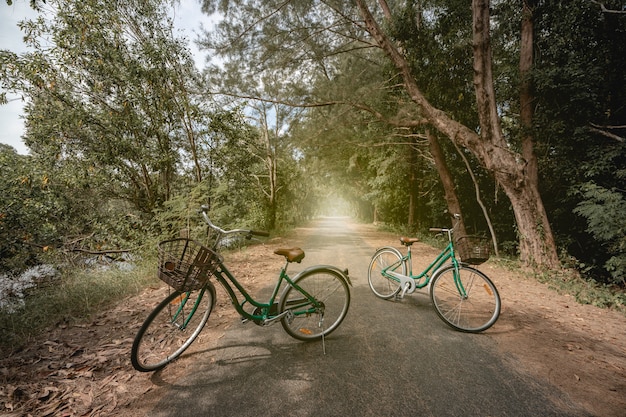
column 459, row 284
column 183, row 298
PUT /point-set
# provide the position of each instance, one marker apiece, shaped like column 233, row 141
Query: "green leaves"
column 604, row 211
column 113, row 92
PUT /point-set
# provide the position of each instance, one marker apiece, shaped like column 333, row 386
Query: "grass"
column 585, row 291
column 571, row 282
column 75, row 297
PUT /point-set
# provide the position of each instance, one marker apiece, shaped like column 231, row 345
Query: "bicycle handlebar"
column 457, row 219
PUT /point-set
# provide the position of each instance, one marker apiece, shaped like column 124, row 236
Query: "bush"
column 76, row 295
column 604, row 211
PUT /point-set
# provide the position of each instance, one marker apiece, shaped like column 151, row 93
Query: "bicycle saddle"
column 408, row 241
column 291, row 254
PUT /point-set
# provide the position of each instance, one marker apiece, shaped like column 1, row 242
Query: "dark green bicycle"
column 312, row 304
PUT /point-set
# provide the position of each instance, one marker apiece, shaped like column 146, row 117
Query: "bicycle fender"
column 343, row 273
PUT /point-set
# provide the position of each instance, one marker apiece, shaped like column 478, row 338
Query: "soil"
column 83, row 369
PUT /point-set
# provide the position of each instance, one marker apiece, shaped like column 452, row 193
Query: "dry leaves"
column 78, row 371
column 85, row 370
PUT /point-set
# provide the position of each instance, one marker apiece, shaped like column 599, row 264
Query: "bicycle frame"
column 268, row 313
column 410, row 282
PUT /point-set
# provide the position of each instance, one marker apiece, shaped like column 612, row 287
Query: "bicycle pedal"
column 244, row 320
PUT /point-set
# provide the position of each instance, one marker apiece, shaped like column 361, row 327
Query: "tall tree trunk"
column 452, row 200
column 272, row 172
column 509, row 168
column 413, row 186
column 526, row 118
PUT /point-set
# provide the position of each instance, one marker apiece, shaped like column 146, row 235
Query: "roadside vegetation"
column 74, row 297
column 383, row 113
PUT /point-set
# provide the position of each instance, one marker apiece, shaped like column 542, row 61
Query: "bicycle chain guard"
column 408, row 285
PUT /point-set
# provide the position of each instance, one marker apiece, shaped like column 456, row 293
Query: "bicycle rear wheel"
column 465, row 298
column 383, row 286
column 171, row 328
column 308, row 321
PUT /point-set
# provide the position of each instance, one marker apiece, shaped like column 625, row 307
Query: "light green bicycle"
column 312, row 304
column 463, row 297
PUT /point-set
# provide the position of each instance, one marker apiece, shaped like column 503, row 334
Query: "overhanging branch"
column 601, row 130
column 605, row 10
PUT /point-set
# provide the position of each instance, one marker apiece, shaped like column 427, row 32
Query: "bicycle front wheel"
column 310, row 320
column 171, row 328
column 385, row 259
column 465, row 298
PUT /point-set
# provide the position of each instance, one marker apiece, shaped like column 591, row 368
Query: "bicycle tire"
column 328, row 287
column 164, row 336
column 380, row 285
column 475, row 312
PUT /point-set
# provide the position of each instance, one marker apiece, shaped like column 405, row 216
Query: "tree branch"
column 605, row 10
column 600, row 130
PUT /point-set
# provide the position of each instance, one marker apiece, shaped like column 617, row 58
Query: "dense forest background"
column 301, row 111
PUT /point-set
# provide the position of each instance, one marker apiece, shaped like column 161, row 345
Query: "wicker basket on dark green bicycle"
column 473, row 250
column 185, row 264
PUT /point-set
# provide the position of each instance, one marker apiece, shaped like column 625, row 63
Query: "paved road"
column 386, row 359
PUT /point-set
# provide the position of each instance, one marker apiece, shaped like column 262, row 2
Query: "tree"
column 116, row 128
column 324, row 32
column 273, row 120
column 113, row 92
column 537, row 245
column 579, row 91
column 20, row 210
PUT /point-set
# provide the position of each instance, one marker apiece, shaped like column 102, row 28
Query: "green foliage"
column 604, row 211
column 112, row 95
column 585, row 291
column 50, row 211
column 114, row 133
column 580, row 90
column 17, row 211
column 125, row 143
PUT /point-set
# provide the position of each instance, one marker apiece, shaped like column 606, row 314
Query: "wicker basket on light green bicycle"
column 185, row 264
column 473, row 250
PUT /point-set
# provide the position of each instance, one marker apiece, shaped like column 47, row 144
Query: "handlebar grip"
column 437, row 229
column 259, row 233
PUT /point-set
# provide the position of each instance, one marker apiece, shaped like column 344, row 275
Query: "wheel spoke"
column 171, row 328
column 331, row 293
column 465, row 299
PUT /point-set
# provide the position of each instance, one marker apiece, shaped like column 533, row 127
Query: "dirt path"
column 84, row 369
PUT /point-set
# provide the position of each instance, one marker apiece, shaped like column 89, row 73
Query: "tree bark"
column 531, row 173
column 452, row 200
column 509, row 168
column 526, row 93
column 492, row 232
column 413, row 187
